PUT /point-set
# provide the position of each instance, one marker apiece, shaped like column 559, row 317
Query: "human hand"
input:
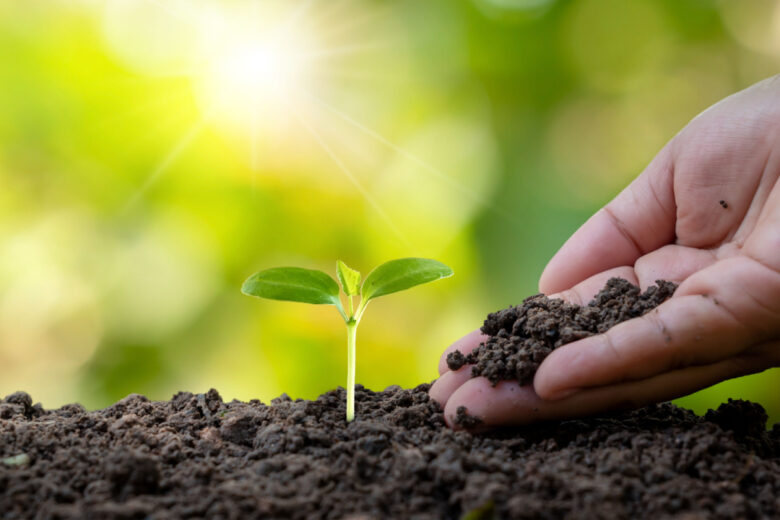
column 706, row 214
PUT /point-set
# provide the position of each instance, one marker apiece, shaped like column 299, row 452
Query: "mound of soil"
column 522, row 336
column 196, row 456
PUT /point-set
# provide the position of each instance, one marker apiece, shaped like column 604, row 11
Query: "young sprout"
column 310, row 286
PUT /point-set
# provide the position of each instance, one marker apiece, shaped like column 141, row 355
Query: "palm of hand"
column 705, row 213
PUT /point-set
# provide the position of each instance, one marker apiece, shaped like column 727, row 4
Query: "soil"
column 196, row 456
column 522, row 336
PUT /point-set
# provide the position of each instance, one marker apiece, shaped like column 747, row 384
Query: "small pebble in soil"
column 17, row 460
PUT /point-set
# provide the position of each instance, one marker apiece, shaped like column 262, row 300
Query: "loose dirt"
column 198, row 457
column 522, row 336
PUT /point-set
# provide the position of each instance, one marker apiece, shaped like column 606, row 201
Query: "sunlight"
column 355, row 182
column 256, row 69
column 183, row 143
column 250, row 79
column 483, row 201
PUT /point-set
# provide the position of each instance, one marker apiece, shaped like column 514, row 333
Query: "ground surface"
column 198, row 457
column 195, row 457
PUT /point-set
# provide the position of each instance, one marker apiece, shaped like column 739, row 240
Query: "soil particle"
column 196, row 456
column 462, row 418
column 521, row 337
column 132, row 473
column 456, row 359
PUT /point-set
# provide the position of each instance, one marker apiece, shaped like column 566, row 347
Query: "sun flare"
column 251, row 81
column 256, row 68
column 279, row 80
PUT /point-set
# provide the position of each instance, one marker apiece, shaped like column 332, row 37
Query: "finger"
column 769, row 351
column 583, row 292
column 764, row 242
column 639, row 220
column 673, row 263
column 465, row 345
column 715, row 314
column 728, row 153
column 445, row 386
column 511, row 404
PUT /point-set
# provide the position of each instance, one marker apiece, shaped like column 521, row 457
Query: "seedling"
column 311, row 286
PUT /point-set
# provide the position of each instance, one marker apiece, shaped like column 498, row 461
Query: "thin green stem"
column 360, row 310
column 351, row 338
column 343, row 314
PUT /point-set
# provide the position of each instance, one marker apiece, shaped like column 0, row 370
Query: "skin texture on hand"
column 706, row 214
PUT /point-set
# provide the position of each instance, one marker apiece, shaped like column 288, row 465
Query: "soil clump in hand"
column 522, row 336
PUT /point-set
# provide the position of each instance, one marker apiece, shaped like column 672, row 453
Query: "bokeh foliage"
column 483, row 132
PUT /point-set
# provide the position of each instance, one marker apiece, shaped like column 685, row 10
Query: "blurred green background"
column 146, row 171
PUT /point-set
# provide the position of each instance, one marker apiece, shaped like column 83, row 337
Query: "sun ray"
column 140, row 109
column 159, row 131
column 363, row 76
column 355, row 182
column 166, row 163
column 353, row 23
column 295, row 17
column 330, row 11
column 453, row 183
column 254, row 159
column 343, row 50
column 171, row 11
column 254, row 151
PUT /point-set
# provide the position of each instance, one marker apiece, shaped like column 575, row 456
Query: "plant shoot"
column 297, row 284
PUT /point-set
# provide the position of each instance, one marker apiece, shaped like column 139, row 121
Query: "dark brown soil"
column 198, row 457
column 522, row 336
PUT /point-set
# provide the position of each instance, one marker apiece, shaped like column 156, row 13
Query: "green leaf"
column 349, row 278
column 402, row 274
column 293, row 284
